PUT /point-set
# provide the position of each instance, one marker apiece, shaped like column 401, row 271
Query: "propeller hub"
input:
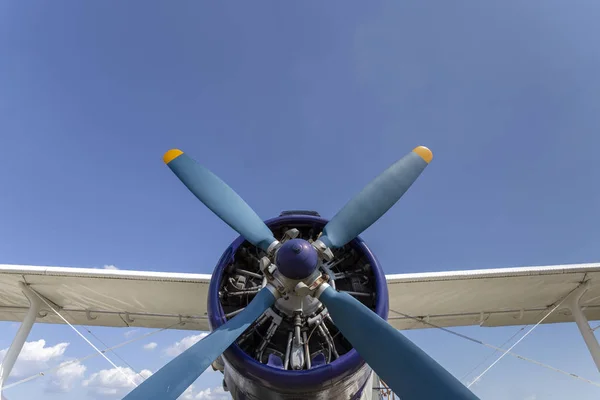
column 297, row 259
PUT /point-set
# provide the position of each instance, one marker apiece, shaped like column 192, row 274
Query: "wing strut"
column 573, row 304
column 14, row 350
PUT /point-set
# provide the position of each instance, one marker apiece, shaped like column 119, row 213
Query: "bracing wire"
column 471, row 339
column 92, row 355
column 499, row 349
column 86, row 339
column 114, row 352
column 516, row 343
column 475, row 368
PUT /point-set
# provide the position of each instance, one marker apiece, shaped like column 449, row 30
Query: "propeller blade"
column 220, row 198
column 407, row 369
column 376, row 198
column 169, row 382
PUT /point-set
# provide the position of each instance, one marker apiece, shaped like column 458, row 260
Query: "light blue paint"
column 408, row 370
column 169, row 382
column 373, row 201
column 222, row 200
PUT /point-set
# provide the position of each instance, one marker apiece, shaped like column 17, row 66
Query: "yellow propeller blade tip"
column 171, row 155
column 424, row 153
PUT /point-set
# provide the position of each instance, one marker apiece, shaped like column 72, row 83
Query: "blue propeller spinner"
column 408, row 370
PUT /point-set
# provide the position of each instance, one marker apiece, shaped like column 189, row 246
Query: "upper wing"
column 492, row 297
column 108, row 297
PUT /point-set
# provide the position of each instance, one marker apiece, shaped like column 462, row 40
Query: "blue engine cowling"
column 248, row 378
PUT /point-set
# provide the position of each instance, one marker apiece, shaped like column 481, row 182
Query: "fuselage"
column 294, row 351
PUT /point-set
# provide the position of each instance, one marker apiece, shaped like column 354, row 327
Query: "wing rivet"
column 88, row 315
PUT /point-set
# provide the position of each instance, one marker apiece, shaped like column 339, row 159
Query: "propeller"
column 407, row 369
column 376, row 198
column 219, row 198
column 169, row 382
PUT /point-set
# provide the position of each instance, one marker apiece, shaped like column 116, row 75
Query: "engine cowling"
column 294, row 350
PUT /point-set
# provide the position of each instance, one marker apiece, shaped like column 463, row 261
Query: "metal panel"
column 113, row 298
column 493, row 297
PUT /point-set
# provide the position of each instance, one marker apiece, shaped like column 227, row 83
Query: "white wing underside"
column 101, row 297
column 118, row 298
column 491, row 297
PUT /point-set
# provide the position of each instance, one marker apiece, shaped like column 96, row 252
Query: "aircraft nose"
column 297, row 259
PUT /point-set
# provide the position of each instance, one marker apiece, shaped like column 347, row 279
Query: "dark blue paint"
column 273, row 378
column 318, row 360
column 297, row 259
column 275, row 361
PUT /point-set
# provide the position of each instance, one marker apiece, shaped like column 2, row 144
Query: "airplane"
column 298, row 306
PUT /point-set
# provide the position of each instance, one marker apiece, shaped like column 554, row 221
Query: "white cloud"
column 150, row 346
column 184, row 344
column 131, row 332
column 217, row 393
column 110, row 267
column 65, row 378
column 206, row 394
column 35, row 356
column 115, row 382
column 188, row 394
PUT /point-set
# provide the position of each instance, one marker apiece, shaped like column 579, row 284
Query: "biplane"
column 298, row 306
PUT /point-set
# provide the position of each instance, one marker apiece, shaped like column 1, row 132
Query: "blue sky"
column 299, row 105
